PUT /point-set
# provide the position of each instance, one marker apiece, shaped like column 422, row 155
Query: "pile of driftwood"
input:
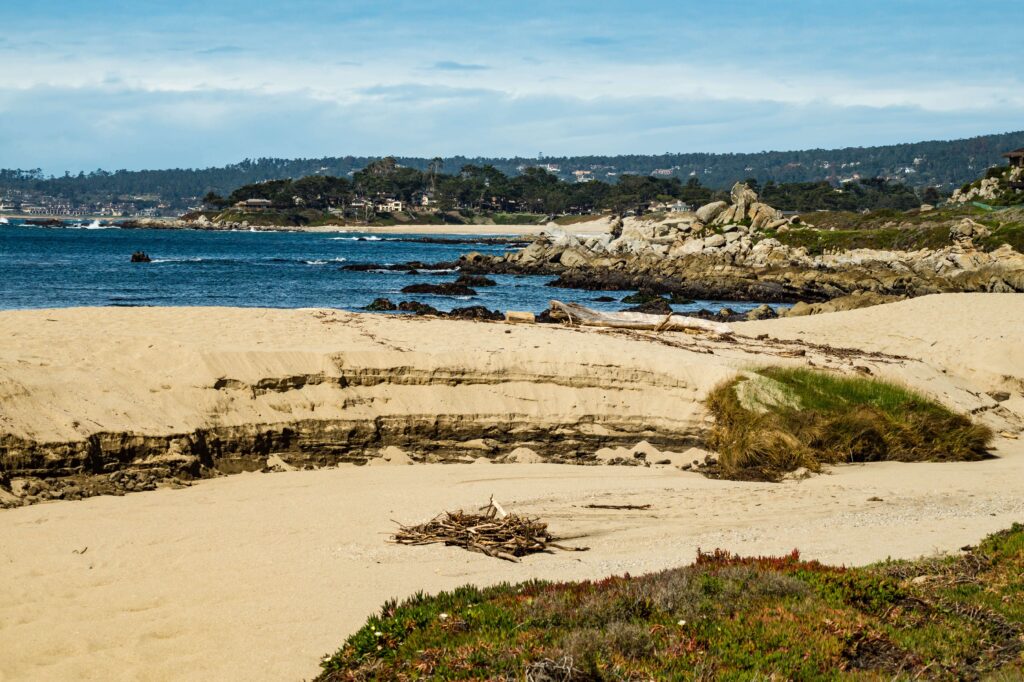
column 493, row 532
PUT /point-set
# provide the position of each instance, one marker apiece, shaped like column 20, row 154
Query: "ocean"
column 87, row 264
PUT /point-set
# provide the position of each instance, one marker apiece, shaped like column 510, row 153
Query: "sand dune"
column 255, row 576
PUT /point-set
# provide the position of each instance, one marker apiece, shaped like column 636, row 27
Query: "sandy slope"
column 255, row 576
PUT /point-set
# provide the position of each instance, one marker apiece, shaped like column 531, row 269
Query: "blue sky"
column 137, row 84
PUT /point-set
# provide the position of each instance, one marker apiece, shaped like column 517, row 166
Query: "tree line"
column 942, row 164
column 485, row 188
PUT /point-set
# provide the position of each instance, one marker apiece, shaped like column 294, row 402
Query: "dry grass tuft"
column 813, row 418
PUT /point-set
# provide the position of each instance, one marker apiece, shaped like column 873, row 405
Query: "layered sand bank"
column 195, row 391
column 255, row 576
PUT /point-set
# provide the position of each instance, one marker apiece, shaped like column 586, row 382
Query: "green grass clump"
column 724, row 617
column 787, row 418
column 889, row 239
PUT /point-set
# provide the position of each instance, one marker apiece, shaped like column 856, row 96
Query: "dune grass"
column 722, row 618
column 784, row 419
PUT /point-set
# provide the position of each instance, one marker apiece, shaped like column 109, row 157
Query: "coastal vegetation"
column 483, row 194
column 892, row 230
column 724, row 617
column 778, row 420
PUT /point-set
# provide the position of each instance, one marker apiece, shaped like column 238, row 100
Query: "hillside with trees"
column 942, row 165
column 476, row 190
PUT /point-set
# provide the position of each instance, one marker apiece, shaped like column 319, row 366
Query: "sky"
column 141, row 84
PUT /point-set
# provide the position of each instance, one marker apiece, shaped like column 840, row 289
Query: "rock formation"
column 722, row 251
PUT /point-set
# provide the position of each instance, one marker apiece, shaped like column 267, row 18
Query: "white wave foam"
column 355, row 239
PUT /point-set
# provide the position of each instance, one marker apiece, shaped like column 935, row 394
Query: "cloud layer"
column 210, row 83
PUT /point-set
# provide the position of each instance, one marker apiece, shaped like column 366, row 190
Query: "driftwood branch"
column 587, row 317
column 494, row 532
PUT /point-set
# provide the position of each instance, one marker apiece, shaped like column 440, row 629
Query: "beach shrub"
column 724, row 617
column 782, row 419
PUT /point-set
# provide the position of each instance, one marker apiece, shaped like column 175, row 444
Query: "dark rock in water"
column 475, row 312
column 604, row 299
column 141, row 257
column 380, row 304
column 443, row 289
column 418, row 308
column 398, row 267
column 413, row 272
column 678, row 299
column 43, row 222
column 476, row 281
column 642, row 296
column 655, row 306
column 726, row 313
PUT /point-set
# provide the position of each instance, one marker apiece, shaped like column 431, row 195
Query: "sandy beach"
column 255, row 576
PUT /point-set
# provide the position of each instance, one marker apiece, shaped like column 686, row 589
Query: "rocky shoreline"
column 724, row 252
column 730, row 252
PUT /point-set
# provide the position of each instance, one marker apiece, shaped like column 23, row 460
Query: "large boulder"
column 966, row 231
column 709, row 212
column 742, row 196
column 762, row 215
column 714, row 241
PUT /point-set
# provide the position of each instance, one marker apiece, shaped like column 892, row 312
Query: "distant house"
column 390, row 206
column 255, row 204
column 679, row 207
column 1016, row 157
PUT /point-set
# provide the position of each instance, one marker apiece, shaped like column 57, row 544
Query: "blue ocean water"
column 73, row 265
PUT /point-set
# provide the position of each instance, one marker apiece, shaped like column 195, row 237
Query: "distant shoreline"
column 591, row 227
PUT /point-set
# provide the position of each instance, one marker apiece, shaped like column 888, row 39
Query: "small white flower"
column 443, row 616
column 681, row 623
column 378, row 633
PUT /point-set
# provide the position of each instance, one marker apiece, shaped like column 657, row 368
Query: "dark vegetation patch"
column 724, row 617
column 784, row 419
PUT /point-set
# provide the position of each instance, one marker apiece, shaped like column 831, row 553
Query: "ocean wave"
column 324, row 262
column 358, row 239
column 194, row 259
column 94, row 225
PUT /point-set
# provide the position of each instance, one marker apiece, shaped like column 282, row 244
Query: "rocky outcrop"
column 442, row 289
column 1002, row 185
column 722, row 252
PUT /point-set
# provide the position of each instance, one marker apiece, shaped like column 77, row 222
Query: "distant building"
column 255, row 204
column 1016, row 157
column 390, row 206
column 679, row 207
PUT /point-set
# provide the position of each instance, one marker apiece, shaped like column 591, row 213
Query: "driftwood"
column 577, row 314
column 495, row 533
